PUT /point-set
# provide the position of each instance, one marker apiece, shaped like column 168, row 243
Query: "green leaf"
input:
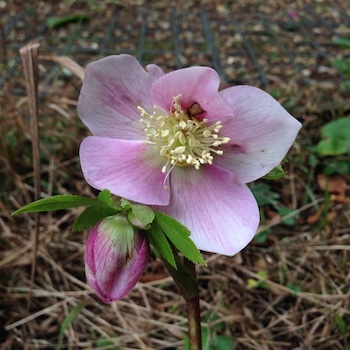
column 92, row 215
column 256, row 283
column 57, row 203
column 74, row 313
column 335, row 138
column 264, row 194
column 224, row 342
column 337, row 166
column 105, row 196
column 179, row 236
column 284, row 211
column 262, row 236
column 56, row 22
column 345, row 42
column 159, row 241
column 296, row 288
column 342, row 325
column 107, row 343
column 275, row 174
column 211, row 341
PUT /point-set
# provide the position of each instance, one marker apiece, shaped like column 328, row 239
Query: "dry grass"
column 291, row 292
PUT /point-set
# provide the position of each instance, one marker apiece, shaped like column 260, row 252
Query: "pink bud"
column 116, row 256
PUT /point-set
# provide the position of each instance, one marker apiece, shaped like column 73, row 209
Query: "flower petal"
column 261, row 133
column 221, row 214
column 129, row 169
column 113, row 87
column 196, row 85
column 108, row 272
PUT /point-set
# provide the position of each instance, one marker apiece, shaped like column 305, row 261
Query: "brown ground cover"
column 289, row 289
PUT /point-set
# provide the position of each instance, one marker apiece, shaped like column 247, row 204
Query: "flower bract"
column 177, row 143
column 116, row 256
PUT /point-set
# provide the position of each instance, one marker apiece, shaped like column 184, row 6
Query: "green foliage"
column 265, row 196
column 210, row 339
column 179, row 236
column 106, row 343
column 337, row 165
column 332, row 153
column 161, row 244
column 139, row 215
column 342, row 325
column 276, row 173
column 58, row 202
column 335, row 138
column 68, row 320
column 165, row 233
column 256, row 283
column 296, row 288
column 92, row 215
column 344, row 41
column 56, row 22
column 343, row 65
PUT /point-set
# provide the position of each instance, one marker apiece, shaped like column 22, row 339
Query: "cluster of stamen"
column 182, row 138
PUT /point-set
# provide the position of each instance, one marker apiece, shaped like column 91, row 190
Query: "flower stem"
column 194, row 317
column 185, row 278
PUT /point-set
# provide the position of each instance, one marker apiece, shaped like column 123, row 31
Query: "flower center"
column 181, row 138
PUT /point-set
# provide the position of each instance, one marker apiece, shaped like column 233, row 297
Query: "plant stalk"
column 194, row 315
column 185, row 278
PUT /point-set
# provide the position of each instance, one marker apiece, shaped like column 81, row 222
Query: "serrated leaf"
column 92, row 215
column 105, row 196
column 179, row 236
column 58, row 202
column 157, row 238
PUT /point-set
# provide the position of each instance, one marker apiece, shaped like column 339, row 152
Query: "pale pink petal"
column 113, row 87
column 195, row 85
column 129, row 169
column 221, row 214
column 261, row 133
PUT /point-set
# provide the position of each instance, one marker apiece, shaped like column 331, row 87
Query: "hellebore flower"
column 174, row 141
column 116, row 256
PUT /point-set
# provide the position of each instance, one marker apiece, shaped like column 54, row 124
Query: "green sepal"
column 139, row 215
column 142, row 213
column 159, row 241
column 92, row 215
column 58, row 202
column 179, row 236
column 125, row 204
column 275, row 174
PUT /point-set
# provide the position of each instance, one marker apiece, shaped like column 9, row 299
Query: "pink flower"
column 115, row 258
column 175, row 142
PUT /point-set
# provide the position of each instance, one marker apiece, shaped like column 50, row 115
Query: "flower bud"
column 116, row 256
